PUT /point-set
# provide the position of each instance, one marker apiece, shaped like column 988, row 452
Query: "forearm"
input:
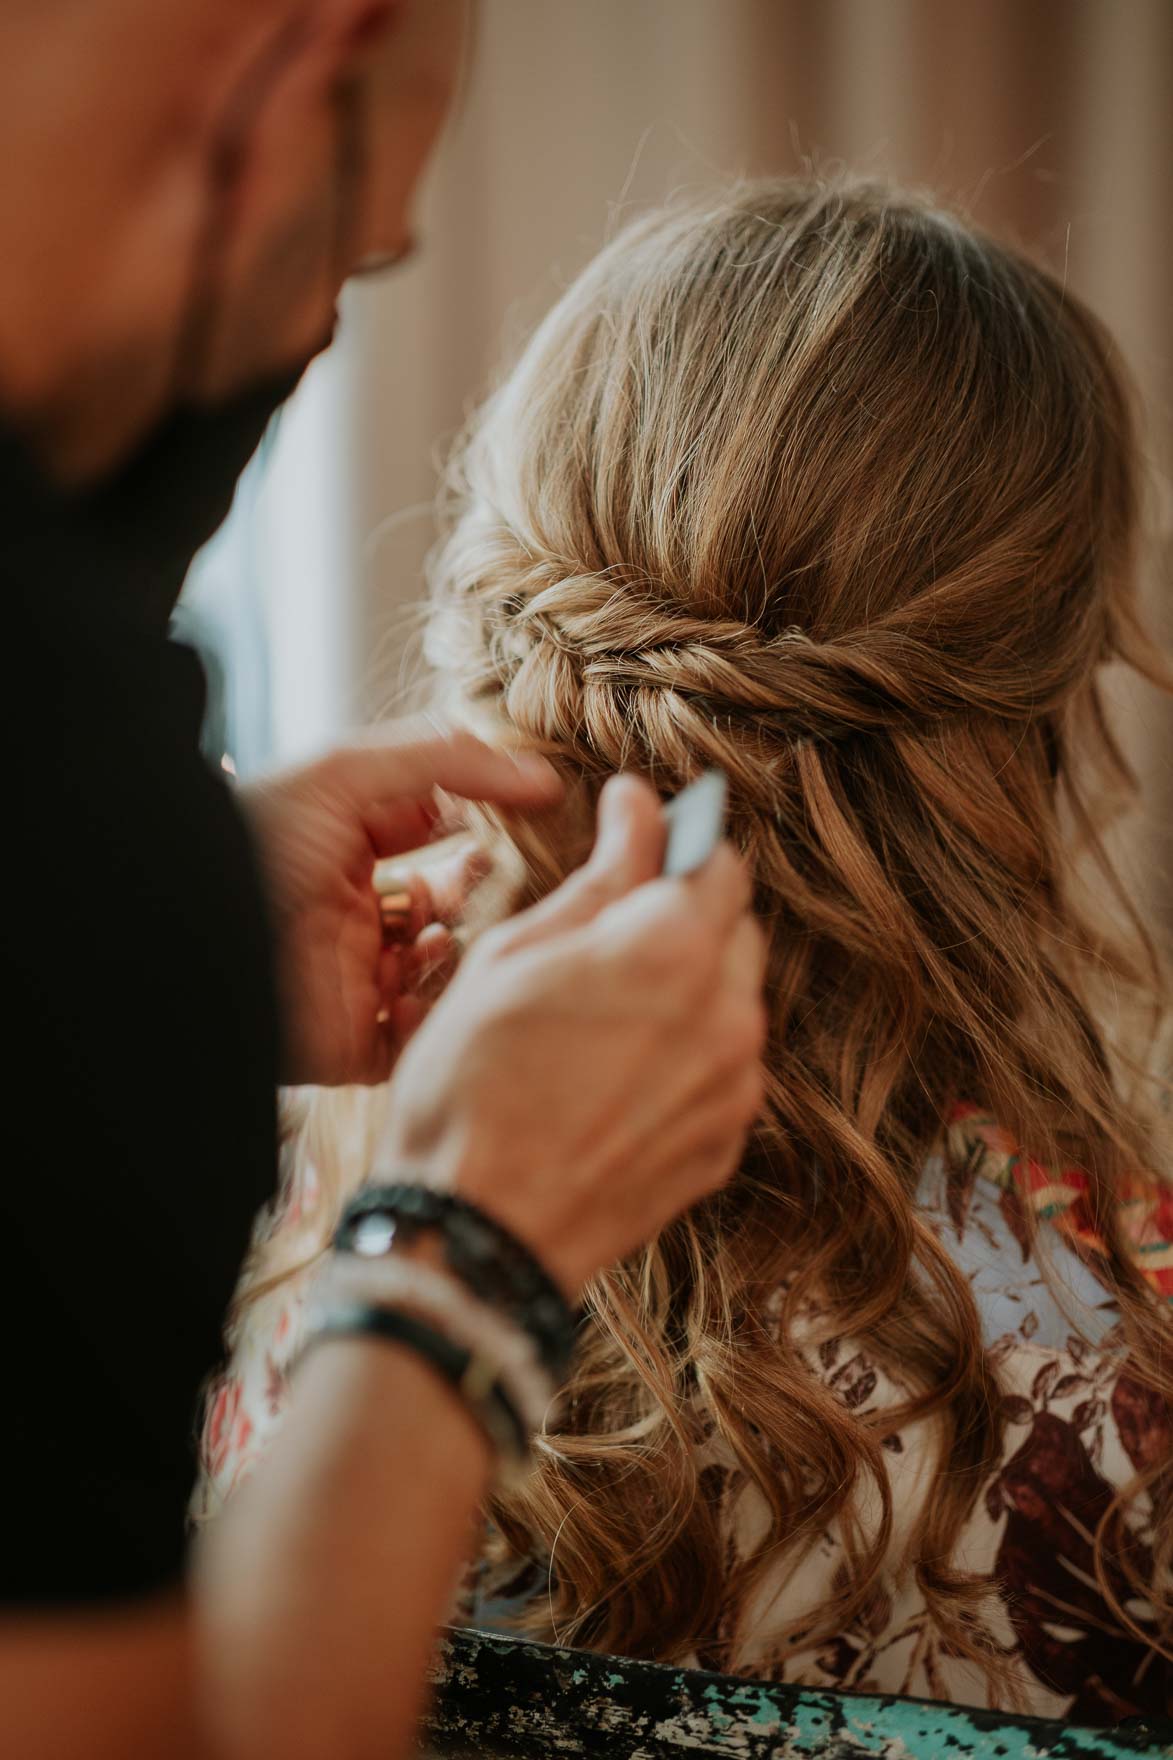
column 320, row 1588
column 315, row 1598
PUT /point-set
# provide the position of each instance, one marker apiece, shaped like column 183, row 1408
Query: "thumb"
column 628, row 852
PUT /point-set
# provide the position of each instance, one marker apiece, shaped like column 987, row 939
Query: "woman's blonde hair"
column 819, row 485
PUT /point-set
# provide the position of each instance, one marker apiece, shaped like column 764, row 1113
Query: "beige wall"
column 1048, row 118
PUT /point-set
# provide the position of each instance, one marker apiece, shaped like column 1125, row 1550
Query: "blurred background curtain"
column 1049, row 121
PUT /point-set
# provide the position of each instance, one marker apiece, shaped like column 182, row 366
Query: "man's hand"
column 595, row 1065
column 348, row 1004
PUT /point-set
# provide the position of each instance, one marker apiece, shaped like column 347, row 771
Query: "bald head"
column 195, row 149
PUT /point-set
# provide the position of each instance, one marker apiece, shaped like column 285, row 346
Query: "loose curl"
column 820, row 486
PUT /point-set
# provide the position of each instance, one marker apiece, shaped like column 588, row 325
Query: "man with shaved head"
column 184, row 187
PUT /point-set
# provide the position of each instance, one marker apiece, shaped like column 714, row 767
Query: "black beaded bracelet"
column 482, row 1393
column 490, row 1261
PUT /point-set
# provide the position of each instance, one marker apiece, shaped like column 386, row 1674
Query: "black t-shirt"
column 137, row 1106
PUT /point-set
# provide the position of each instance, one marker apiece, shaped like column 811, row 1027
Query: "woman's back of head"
column 821, row 457
column 819, row 485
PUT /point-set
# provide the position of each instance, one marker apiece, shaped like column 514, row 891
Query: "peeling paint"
column 503, row 1699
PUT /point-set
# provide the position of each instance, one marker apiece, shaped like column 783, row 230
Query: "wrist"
column 473, row 1245
column 368, row 1401
column 426, row 1270
column 498, row 1181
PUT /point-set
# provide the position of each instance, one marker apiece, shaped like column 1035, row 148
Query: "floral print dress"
column 1079, row 1428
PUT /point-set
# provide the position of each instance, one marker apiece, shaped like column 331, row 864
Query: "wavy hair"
column 817, row 484
column 821, row 486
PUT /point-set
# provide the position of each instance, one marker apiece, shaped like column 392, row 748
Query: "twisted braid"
column 611, row 672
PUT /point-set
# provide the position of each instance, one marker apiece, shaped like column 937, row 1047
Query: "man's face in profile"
column 197, row 181
column 330, row 186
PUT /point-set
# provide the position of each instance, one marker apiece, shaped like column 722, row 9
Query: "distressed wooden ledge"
column 502, row 1699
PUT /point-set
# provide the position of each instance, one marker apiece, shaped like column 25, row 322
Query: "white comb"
column 696, row 823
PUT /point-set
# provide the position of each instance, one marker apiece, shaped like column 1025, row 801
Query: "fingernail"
column 613, row 822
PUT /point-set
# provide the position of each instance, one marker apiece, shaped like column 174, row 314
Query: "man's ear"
column 414, row 46
column 341, row 34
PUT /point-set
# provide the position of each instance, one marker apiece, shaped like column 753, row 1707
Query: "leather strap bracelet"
column 490, row 1261
column 469, row 1375
column 401, row 1282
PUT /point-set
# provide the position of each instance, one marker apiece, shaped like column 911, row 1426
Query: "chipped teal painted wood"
column 502, row 1699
